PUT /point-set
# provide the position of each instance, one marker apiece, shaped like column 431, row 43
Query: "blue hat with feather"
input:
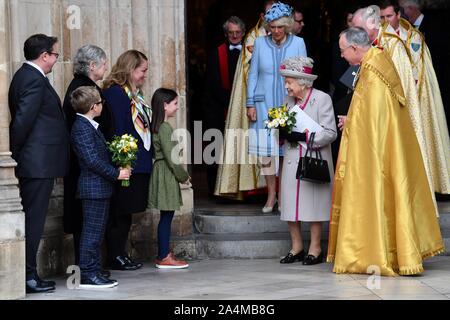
column 277, row 11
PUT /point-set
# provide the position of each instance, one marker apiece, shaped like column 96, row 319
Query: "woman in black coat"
column 89, row 67
column 122, row 90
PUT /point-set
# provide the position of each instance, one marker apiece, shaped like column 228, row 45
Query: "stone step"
column 235, row 246
column 243, row 246
column 444, row 221
column 220, row 223
column 444, row 207
column 235, row 223
column 249, row 234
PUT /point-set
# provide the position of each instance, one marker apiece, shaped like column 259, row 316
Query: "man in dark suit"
column 95, row 185
column 299, row 23
column 39, row 143
column 219, row 83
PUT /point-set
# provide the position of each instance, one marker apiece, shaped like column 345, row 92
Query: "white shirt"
column 94, row 123
column 237, row 46
column 36, row 67
column 401, row 32
column 418, row 21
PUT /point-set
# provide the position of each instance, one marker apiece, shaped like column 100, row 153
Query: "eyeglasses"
column 234, row 33
column 54, row 54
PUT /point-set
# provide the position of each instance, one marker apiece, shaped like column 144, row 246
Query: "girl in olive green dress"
column 165, row 193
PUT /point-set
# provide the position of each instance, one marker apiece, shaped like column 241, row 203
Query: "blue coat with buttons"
column 266, row 87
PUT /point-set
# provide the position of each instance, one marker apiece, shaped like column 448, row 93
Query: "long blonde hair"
column 125, row 65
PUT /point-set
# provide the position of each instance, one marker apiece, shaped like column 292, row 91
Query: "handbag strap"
column 311, row 140
column 318, row 154
column 309, row 149
column 317, row 150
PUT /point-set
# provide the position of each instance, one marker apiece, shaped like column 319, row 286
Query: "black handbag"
column 313, row 169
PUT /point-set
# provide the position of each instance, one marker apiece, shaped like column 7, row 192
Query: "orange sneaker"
column 170, row 262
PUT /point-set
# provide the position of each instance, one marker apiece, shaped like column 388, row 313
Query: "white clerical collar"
column 238, row 47
column 401, row 32
column 418, row 21
column 94, row 123
column 36, row 67
column 390, row 29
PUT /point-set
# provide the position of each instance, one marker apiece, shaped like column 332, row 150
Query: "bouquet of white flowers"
column 280, row 118
column 124, row 153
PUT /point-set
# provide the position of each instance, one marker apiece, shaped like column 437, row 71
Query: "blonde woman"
column 131, row 115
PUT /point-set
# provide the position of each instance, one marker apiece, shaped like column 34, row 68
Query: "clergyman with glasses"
column 219, row 82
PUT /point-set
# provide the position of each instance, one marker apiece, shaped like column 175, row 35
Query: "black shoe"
column 105, row 274
column 108, row 279
column 46, row 283
column 290, row 258
column 312, row 260
column 137, row 264
column 123, row 264
column 43, row 282
column 38, row 286
column 97, row 282
column 114, row 282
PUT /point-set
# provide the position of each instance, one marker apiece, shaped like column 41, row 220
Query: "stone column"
column 168, row 56
column 26, row 18
column 12, row 219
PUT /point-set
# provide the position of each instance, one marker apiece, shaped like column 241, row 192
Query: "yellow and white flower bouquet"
column 281, row 118
column 124, row 152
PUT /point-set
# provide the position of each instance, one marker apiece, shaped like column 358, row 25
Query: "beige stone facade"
column 156, row 27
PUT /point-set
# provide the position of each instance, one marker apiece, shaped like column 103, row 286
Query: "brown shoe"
column 170, row 262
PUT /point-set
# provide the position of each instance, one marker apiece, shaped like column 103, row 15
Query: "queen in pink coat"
column 303, row 201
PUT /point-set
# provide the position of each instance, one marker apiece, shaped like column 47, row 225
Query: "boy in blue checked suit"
column 95, row 185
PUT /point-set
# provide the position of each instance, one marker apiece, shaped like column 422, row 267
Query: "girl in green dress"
column 165, row 194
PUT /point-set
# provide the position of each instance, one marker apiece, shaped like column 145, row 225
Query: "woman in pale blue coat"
column 266, row 89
